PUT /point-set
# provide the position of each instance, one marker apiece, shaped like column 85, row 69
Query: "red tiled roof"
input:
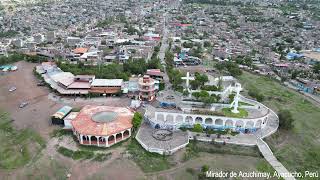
column 80, row 50
column 84, row 124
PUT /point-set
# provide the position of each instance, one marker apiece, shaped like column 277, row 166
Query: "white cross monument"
column 235, row 103
column 188, row 78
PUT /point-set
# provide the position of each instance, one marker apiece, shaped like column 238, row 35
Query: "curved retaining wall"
column 175, row 120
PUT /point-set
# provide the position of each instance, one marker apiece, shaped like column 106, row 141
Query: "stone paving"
column 145, row 137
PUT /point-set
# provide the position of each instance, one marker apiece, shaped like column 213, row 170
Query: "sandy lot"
column 37, row 114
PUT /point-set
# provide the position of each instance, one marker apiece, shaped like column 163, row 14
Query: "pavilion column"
column 115, row 138
column 89, row 140
column 81, row 139
column 122, row 135
column 106, row 139
column 98, row 139
column 129, row 132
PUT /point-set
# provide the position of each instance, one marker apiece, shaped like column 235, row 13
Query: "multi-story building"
column 146, row 88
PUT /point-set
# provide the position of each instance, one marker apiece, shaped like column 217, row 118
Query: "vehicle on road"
column 23, row 104
column 13, row 88
column 41, row 83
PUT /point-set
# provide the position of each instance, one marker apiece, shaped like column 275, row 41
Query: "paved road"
column 163, row 48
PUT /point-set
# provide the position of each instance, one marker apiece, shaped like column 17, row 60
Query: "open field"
column 299, row 149
column 36, row 114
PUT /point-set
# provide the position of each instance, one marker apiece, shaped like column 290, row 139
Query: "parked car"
column 23, row 104
column 41, row 83
column 12, row 89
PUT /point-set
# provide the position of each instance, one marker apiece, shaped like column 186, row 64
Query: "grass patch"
column 82, row 154
column 15, row 145
column 244, row 104
column 148, row 162
column 299, row 148
column 228, row 113
column 60, row 132
column 65, row 151
column 264, row 166
column 195, row 147
column 102, row 156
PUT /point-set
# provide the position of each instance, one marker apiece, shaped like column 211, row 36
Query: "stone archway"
column 93, row 139
column 229, row 123
column 198, row 120
column 249, row 125
column 119, row 137
column 169, row 118
column 258, row 124
column 85, row 138
column 157, row 126
column 189, row 120
column 160, row 117
column 101, row 139
column 126, row 134
column 179, row 119
column 111, row 139
column 265, row 120
column 240, row 124
column 208, row 121
column 218, row 122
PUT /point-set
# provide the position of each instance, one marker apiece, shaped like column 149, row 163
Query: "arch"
column 169, row 118
column 258, row 124
column 119, row 136
column 229, row 123
column 126, row 133
column 93, row 138
column 111, row 139
column 85, row 138
column 102, row 139
column 179, row 119
column 208, row 121
column 250, row 124
column 265, row 120
column 218, row 122
column 240, row 124
column 198, row 120
column 160, row 117
column 157, row 126
column 189, row 120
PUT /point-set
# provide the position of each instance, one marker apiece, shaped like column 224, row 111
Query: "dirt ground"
column 49, row 164
column 36, row 114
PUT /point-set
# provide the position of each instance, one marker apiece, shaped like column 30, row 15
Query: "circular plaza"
column 102, row 125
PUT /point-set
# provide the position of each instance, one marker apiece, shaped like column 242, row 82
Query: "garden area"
column 228, row 113
column 83, row 154
column 298, row 148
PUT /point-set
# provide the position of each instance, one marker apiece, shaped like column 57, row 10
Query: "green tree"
column 137, row 119
column 197, row 128
column 285, row 119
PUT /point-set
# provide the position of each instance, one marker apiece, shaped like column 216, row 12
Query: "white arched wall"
column 176, row 119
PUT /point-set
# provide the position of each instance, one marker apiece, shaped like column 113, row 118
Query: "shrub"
column 66, row 152
column 137, row 119
column 285, row 119
column 197, row 128
column 204, row 168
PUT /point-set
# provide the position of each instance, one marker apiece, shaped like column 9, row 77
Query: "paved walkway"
column 268, row 155
column 271, row 127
